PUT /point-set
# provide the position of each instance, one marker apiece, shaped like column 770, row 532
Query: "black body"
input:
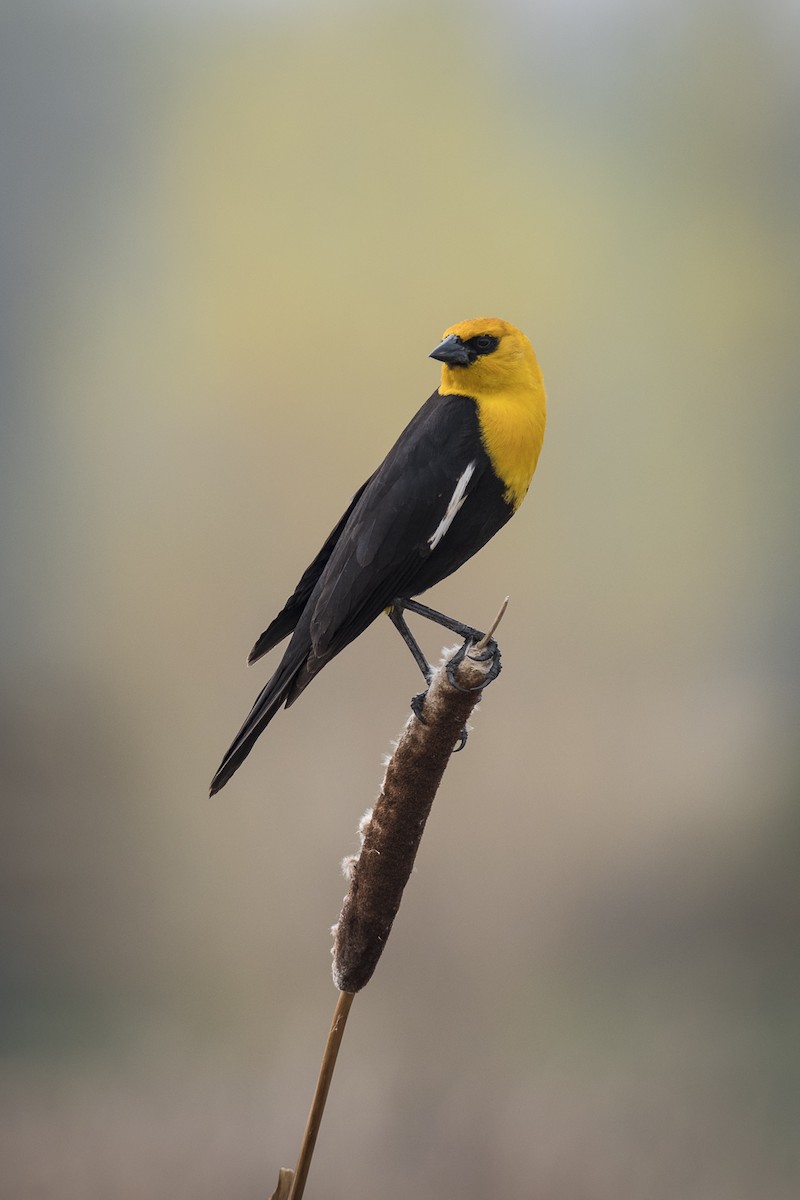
column 380, row 551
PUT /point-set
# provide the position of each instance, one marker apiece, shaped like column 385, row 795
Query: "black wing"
column 289, row 615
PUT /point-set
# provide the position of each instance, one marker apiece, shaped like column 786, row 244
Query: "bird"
column 456, row 474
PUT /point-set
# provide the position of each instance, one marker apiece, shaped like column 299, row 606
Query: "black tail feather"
column 292, row 611
column 280, row 628
column 262, row 712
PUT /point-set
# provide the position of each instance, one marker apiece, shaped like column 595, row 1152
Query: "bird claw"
column 490, row 651
column 462, row 740
column 417, row 704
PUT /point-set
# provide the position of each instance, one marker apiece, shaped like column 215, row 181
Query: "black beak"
column 452, row 351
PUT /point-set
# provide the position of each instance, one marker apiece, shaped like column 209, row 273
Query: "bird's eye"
column 482, row 343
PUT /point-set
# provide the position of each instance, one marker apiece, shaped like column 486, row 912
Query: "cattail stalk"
column 320, row 1094
column 392, row 829
column 390, row 836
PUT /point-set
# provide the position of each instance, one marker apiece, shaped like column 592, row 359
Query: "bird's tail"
column 262, row 712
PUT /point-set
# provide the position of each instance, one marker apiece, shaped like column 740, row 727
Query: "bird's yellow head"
column 486, row 355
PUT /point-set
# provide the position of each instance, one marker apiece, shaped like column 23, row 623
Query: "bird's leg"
column 471, row 637
column 465, row 631
column 398, row 620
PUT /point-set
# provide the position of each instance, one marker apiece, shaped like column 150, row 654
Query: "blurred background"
column 230, row 234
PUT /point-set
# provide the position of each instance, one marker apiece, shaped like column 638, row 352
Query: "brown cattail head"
column 391, row 831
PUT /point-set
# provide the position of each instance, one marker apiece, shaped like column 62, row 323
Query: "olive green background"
column 229, row 237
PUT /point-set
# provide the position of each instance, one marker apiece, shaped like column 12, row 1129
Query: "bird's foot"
column 490, row 651
column 462, row 740
column 417, row 705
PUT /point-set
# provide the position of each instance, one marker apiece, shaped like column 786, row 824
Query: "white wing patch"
column 456, row 500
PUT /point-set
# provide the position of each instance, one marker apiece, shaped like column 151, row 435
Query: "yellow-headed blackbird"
column 455, row 475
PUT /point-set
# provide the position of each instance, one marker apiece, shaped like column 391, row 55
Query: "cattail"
column 391, row 831
column 390, row 836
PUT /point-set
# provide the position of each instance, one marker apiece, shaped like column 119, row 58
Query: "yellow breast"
column 512, row 428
